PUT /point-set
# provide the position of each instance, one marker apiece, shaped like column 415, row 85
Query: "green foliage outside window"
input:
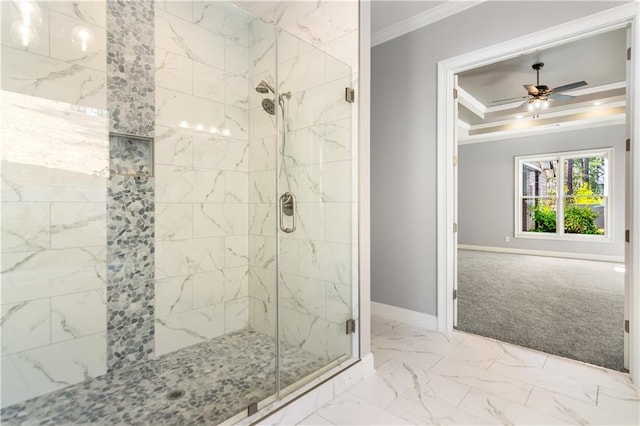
column 545, row 217
column 577, row 220
column 581, row 220
column 584, row 195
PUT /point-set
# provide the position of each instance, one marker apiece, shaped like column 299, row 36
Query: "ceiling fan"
column 539, row 95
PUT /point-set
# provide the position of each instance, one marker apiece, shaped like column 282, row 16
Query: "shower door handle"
column 288, row 208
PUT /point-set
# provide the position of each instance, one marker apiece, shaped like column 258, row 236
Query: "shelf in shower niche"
column 130, row 155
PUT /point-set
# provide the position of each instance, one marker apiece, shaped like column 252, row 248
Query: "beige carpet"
column 567, row 307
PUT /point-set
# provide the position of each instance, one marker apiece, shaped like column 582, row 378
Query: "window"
column 563, row 195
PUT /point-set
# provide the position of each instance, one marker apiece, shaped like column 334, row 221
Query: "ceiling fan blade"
column 570, row 86
column 509, row 99
column 523, row 104
column 560, row 97
column 531, row 88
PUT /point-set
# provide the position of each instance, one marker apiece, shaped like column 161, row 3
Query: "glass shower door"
column 315, row 210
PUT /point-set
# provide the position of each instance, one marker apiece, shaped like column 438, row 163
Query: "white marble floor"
column 423, row 377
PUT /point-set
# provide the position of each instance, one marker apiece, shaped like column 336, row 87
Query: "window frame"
column 560, row 197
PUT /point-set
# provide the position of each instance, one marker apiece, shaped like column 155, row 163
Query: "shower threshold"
column 205, row 383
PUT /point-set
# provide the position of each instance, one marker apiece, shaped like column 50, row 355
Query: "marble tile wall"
column 202, row 172
column 55, row 159
column 330, row 26
column 316, row 282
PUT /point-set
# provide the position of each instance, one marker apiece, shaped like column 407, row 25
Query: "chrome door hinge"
column 351, row 326
column 628, row 145
column 455, row 294
column 628, row 53
column 626, row 236
column 455, row 228
column 455, row 93
column 349, row 94
column 455, row 160
column 626, row 325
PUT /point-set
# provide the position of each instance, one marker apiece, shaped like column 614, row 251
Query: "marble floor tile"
column 389, row 350
column 589, row 373
column 414, row 377
column 424, row 410
column 496, row 384
column 621, row 401
column 538, row 377
column 348, row 409
column 505, row 353
column 574, row 411
column 314, row 420
column 502, row 411
column 478, row 356
column 398, row 331
column 477, row 381
column 378, row 390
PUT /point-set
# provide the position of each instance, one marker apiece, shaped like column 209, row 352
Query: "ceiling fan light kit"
column 539, row 95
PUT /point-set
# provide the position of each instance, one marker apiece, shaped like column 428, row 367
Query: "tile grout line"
column 464, row 397
column 436, row 363
column 528, row 396
column 491, row 365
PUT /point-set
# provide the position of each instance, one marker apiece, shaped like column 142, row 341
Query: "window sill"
column 564, row 237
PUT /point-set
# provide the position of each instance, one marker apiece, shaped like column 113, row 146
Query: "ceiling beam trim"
column 420, row 20
column 609, row 120
column 552, row 114
column 471, row 103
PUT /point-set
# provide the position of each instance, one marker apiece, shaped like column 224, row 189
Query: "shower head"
column 264, row 87
column 269, row 106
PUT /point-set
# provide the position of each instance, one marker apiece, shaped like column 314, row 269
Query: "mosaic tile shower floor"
column 220, row 378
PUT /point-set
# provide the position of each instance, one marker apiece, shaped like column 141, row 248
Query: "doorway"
column 448, row 220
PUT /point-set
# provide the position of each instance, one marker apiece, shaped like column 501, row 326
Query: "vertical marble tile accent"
column 131, row 194
column 131, row 270
column 131, row 66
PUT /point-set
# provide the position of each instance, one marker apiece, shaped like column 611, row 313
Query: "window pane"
column 585, row 215
column 584, row 176
column 539, row 215
column 539, row 178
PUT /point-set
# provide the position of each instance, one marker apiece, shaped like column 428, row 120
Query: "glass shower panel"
column 55, row 161
column 315, row 166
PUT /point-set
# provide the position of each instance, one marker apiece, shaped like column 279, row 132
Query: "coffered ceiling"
column 599, row 60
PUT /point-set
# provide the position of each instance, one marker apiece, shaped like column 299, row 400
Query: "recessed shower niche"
column 148, row 246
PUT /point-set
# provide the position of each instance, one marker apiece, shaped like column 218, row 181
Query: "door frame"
column 628, row 14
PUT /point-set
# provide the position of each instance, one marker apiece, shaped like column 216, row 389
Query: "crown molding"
column 420, row 20
column 610, row 120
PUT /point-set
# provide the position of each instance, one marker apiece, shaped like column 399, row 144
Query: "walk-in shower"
column 172, row 253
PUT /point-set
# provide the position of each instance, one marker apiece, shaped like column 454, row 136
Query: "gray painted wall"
column 403, row 138
column 486, row 188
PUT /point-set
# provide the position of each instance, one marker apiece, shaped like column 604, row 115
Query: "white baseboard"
column 562, row 254
column 430, row 322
